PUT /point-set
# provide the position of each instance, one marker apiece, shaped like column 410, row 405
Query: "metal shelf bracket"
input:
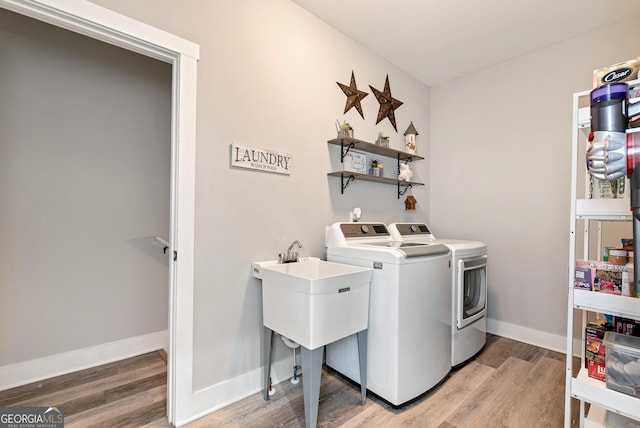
column 403, row 191
column 344, row 151
column 405, row 160
column 350, row 178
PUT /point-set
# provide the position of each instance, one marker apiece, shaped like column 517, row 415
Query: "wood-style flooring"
column 508, row 385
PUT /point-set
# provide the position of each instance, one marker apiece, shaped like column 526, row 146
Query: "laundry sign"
column 260, row 159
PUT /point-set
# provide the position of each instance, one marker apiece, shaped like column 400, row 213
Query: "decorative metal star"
column 354, row 95
column 388, row 104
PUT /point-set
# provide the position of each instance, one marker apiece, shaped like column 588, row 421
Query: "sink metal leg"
column 362, row 357
column 267, row 352
column 311, row 371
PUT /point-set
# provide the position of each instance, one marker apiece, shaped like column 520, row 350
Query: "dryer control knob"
column 364, row 228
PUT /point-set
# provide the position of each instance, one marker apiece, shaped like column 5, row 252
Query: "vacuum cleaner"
column 613, row 153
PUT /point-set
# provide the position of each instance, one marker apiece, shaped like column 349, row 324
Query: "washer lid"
column 410, row 249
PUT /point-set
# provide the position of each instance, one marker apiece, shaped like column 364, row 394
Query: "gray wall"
column 84, row 187
column 267, row 78
column 501, row 168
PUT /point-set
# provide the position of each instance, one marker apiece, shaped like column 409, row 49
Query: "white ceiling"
column 439, row 40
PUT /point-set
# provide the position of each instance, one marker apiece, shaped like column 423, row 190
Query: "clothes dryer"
column 469, row 288
column 409, row 335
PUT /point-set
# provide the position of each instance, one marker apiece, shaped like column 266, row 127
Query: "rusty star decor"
column 354, row 95
column 388, row 104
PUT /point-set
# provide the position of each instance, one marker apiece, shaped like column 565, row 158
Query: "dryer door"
column 471, row 290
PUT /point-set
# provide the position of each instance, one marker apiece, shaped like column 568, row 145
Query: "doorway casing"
column 94, row 21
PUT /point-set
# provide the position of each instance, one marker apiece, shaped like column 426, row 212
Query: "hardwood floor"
column 508, row 385
column 125, row 393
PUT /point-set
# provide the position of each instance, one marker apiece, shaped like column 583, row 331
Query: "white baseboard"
column 528, row 335
column 18, row 374
column 217, row 396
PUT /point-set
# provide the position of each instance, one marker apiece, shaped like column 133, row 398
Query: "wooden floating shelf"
column 348, row 176
column 373, row 148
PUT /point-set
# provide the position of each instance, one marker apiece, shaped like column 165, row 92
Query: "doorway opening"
column 98, row 23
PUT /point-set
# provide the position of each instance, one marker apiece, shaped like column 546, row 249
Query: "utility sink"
column 314, row 302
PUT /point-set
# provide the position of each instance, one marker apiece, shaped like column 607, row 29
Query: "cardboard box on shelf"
column 585, row 277
column 585, row 274
column 598, row 276
column 627, row 326
column 608, row 278
column 595, row 351
column 621, row 72
column 596, row 368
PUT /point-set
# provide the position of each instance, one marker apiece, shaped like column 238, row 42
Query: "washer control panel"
column 362, row 230
column 413, row 229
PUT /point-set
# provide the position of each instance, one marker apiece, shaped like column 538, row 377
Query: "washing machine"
column 469, row 288
column 409, row 333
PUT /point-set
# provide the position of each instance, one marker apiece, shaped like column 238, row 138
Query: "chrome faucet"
column 290, row 256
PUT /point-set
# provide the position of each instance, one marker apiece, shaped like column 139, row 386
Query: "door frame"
column 94, row 21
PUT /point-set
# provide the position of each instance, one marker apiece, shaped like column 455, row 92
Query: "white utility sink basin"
column 314, row 302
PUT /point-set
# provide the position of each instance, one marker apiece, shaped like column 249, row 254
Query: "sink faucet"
column 290, row 256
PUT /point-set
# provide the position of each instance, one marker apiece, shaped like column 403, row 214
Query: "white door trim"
column 99, row 23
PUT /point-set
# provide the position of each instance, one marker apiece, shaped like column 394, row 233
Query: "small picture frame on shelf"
column 355, row 162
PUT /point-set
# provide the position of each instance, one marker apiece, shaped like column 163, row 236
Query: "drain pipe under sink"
column 293, row 345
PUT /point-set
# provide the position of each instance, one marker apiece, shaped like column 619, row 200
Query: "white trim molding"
column 539, row 338
column 215, row 397
column 100, row 23
column 22, row 373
